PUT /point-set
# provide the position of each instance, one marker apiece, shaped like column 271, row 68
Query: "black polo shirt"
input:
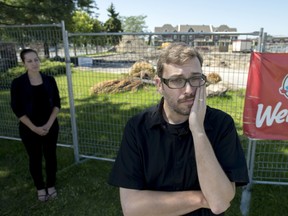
column 155, row 155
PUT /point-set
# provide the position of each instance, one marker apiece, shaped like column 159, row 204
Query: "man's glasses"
column 177, row 83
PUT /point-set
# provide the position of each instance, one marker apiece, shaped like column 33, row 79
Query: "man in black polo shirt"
column 180, row 157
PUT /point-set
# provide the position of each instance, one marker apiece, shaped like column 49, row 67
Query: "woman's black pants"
column 37, row 147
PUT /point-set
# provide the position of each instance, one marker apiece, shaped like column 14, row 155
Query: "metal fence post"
column 70, row 92
column 246, row 193
column 260, row 41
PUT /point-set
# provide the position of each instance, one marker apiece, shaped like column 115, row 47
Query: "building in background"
column 203, row 39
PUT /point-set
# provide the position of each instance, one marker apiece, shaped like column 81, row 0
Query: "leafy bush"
column 47, row 67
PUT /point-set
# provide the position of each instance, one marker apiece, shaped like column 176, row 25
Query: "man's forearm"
column 156, row 203
column 215, row 185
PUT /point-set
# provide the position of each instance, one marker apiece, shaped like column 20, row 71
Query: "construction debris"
column 141, row 73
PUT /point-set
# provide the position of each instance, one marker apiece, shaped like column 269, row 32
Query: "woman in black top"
column 35, row 101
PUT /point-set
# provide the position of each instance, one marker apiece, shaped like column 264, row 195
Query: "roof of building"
column 166, row 28
column 193, row 28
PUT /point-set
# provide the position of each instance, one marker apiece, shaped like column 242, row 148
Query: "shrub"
column 47, row 67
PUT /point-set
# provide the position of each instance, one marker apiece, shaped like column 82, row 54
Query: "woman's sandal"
column 52, row 193
column 42, row 196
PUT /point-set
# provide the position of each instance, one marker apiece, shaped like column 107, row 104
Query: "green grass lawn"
column 83, row 189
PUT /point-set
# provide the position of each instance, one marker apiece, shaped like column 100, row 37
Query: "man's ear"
column 158, row 84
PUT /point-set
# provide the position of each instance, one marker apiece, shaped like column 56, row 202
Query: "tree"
column 134, row 23
column 82, row 22
column 113, row 24
column 14, row 12
column 87, row 6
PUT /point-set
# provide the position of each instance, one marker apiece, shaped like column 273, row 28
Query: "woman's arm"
column 38, row 130
column 42, row 130
column 51, row 119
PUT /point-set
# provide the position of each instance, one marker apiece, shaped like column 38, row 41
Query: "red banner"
column 266, row 102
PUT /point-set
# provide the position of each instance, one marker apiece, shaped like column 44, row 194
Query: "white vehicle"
column 244, row 46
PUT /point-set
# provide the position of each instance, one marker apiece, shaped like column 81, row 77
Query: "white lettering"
column 270, row 115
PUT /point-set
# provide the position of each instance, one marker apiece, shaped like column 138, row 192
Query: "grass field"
column 83, row 189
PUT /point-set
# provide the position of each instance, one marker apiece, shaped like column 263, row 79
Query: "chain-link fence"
column 106, row 78
column 110, row 75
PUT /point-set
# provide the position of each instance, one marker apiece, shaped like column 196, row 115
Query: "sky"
column 245, row 15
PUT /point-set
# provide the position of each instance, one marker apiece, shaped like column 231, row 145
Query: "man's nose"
column 189, row 88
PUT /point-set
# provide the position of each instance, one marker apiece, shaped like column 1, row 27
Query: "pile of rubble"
column 140, row 74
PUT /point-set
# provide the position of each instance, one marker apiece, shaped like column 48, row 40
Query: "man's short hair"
column 177, row 53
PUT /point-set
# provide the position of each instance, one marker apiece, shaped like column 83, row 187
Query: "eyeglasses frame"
column 166, row 81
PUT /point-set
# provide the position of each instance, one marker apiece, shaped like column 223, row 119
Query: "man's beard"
column 175, row 106
column 184, row 112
